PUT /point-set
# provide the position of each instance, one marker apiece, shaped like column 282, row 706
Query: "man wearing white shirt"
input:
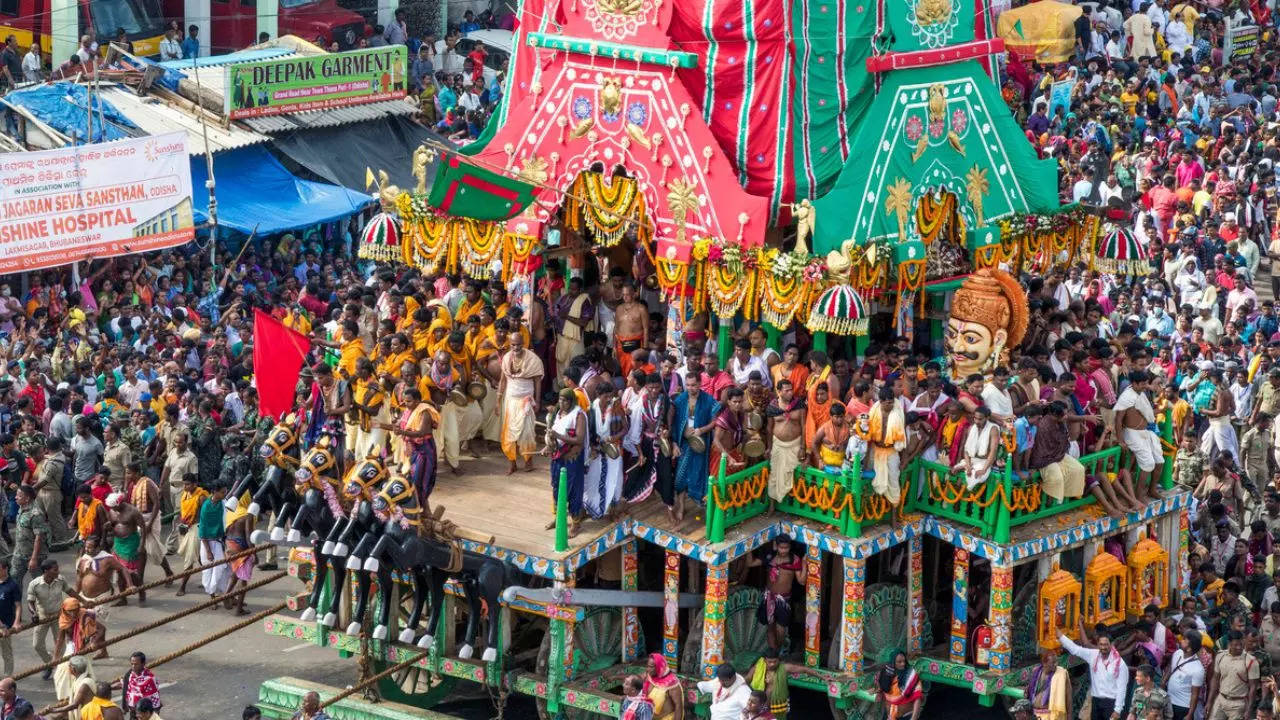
column 1108, row 674
column 743, row 363
column 729, row 693
column 1186, row 677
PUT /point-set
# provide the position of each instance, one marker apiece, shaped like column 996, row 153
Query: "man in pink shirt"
column 1163, row 202
column 1188, row 169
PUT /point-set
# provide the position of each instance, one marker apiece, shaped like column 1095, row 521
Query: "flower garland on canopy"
column 610, row 206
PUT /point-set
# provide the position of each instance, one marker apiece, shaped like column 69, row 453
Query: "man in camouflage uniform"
column 31, row 439
column 1254, row 646
column 204, row 443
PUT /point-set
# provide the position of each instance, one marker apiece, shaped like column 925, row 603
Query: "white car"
column 498, row 46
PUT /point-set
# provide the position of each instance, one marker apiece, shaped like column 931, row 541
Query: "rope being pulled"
column 153, row 625
column 202, row 642
column 154, row 584
column 369, row 681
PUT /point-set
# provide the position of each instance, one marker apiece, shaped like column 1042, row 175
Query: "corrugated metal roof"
column 330, row 118
column 156, row 117
column 185, row 66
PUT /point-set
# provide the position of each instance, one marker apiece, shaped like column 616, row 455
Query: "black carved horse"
column 320, row 513
column 275, row 492
column 361, row 529
column 402, row 547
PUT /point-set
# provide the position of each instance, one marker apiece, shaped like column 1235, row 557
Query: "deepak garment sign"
column 316, row 82
column 102, row 200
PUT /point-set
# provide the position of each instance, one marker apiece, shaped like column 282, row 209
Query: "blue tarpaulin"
column 255, row 190
column 64, row 106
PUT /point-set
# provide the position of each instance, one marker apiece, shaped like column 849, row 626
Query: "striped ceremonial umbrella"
column 1121, row 254
column 380, row 239
column 839, row 310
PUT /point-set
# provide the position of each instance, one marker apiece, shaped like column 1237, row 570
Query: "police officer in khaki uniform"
column 1234, row 685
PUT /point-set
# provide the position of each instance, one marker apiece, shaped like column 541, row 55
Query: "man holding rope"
column 44, row 597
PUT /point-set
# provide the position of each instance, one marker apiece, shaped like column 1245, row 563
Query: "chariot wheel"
column 745, row 639
column 884, row 631
column 414, row 686
column 1025, row 648
column 597, row 645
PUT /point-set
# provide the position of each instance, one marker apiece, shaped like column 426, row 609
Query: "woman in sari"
column 662, row 687
column 900, row 690
column 417, row 446
column 569, row 437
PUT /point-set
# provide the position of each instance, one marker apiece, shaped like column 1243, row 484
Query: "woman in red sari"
column 662, row 687
column 900, row 689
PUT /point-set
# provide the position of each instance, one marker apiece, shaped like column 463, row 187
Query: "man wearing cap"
column 1021, row 710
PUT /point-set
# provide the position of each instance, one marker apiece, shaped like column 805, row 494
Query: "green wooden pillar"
column 724, row 340
column 773, row 337
column 860, row 343
column 820, row 341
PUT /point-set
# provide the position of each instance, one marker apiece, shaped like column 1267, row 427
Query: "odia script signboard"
column 60, row 206
column 315, row 82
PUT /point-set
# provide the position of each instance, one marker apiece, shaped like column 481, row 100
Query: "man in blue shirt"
column 191, row 46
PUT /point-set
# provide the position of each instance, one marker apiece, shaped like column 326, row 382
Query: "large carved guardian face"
column 970, row 346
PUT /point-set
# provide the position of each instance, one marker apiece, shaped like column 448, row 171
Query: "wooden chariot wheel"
column 745, row 639
column 597, row 646
column 884, row 631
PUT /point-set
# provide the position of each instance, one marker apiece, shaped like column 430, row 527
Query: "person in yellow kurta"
column 886, row 436
column 419, row 332
column 399, row 355
column 440, row 312
column 372, row 409
column 498, row 300
column 350, row 348
column 443, row 377
column 472, row 303
column 296, row 319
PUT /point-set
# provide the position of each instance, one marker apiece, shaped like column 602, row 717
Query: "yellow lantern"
column 1105, row 582
column 1057, row 610
column 1148, row 576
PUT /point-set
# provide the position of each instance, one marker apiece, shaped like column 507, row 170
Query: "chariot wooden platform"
column 879, row 578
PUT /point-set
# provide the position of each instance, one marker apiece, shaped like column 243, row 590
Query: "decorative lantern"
column 1057, row 608
column 380, row 239
column 1121, row 254
column 839, row 310
column 1105, row 581
column 1148, row 576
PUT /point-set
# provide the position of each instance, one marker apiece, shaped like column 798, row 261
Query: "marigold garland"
column 728, row 290
column 742, row 492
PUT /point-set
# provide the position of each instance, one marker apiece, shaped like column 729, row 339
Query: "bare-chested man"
column 144, row 494
column 1134, row 418
column 630, row 327
column 786, row 433
column 95, row 571
column 241, row 568
column 127, row 525
column 830, row 441
column 785, row 569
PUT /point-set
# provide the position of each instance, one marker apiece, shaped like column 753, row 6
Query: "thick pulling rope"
column 362, row 685
column 154, row 583
column 153, row 625
column 202, row 642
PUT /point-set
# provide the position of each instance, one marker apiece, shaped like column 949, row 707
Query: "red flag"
column 278, row 354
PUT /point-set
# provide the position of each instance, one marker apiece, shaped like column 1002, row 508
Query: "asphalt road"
column 215, row 681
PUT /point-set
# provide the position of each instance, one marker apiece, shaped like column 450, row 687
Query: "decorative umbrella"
column 1121, row 254
column 839, row 310
column 380, row 239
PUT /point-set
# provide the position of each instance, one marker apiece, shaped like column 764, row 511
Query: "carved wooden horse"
column 320, row 511
column 404, row 546
column 399, row 517
column 275, row 491
column 362, row 526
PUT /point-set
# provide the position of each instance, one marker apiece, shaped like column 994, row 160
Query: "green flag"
column 465, row 190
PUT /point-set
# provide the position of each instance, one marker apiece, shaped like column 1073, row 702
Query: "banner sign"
column 316, row 82
column 100, row 200
column 1239, row 43
column 1060, row 96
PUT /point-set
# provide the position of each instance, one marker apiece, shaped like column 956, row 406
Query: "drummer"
column 444, row 383
column 470, row 414
column 608, row 419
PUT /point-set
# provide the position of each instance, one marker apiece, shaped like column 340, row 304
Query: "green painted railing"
column 734, row 499
column 843, row 499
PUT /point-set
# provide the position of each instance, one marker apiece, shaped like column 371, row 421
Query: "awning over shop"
column 255, row 190
column 340, row 154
